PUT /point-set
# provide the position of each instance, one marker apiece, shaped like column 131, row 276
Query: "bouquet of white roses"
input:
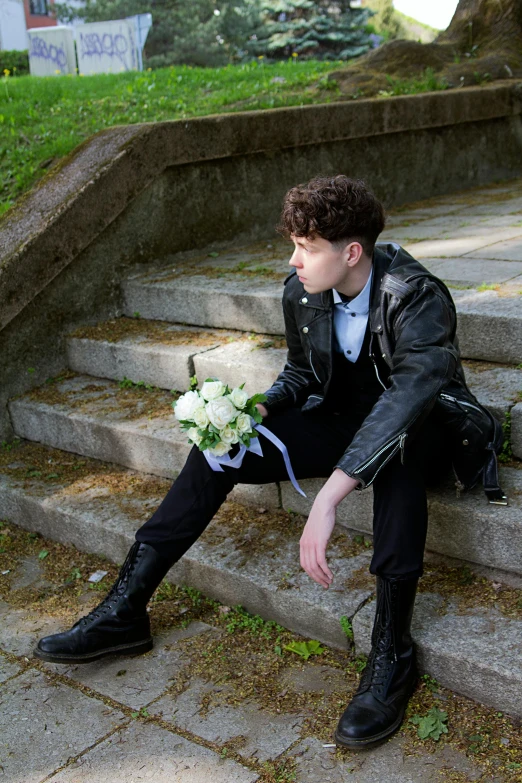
column 216, row 417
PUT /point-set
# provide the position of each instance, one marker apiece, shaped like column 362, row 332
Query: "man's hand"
column 262, row 410
column 318, row 529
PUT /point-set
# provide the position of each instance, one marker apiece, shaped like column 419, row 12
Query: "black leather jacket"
column 412, row 324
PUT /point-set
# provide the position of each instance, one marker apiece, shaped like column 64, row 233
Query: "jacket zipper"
column 459, row 402
column 313, row 368
column 400, row 439
column 375, row 364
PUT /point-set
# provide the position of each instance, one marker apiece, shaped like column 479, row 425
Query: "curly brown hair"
column 338, row 209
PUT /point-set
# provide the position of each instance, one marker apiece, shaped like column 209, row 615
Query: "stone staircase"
column 109, row 446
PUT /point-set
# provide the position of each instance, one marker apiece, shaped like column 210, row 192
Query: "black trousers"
column 314, row 442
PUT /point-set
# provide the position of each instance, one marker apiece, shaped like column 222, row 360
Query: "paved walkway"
column 132, row 719
column 128, row 719
column 470, row 239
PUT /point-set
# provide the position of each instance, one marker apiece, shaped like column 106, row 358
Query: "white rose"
column 194, row 435
column 228, row 435
column 221, row 449
column 212, row 389
column 187, row 405
column 243, row 423
column 238, row 397
column 200, row 417
column 220, row 412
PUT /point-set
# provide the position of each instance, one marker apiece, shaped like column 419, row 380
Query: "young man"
column 371, row 345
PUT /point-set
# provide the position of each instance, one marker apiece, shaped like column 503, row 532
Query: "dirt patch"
column 99, row 399
column 470, row 591
column 163, row 333
column 154, row 332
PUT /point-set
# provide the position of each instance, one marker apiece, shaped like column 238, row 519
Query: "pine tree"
column 324, row 30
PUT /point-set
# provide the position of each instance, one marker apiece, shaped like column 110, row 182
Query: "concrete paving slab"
column 29, row 572
column 43, row 724
column 477, row 655
column 517, row 283
column 147, row 752
column 8, row 670
column 493, row 208
column 21, row 629
column 313, row 678
column 507, row 250
column 234, row 364
column 134, row 680
column 454, row 246
column 138, row 359
column 465, row 271
column 389, row 762
column 428, row 228
column 427, row 212
column 516, row 430
column 489, row 325
column 265, row 735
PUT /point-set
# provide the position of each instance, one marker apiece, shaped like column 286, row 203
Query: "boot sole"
column 137, row 648
column 376, row 739
column 369, row 742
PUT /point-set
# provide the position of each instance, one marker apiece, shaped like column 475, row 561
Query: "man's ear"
column 352, row 253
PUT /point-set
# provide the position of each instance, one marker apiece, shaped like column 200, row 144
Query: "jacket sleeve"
column 423, row 362
column 297, row 379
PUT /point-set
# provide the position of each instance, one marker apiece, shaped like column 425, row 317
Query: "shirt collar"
column 361, row 303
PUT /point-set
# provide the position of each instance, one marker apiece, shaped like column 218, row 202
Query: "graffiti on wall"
column 44, row 50
column 106, row 47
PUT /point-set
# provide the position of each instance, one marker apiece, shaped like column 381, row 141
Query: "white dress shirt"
column 350, row 321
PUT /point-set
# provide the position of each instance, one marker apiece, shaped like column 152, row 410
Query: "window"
column 38, row 7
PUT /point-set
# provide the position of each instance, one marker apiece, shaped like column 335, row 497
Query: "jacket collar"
column 387, row 256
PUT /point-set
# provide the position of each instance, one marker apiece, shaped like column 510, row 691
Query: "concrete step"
column 242, row 294
column 136, row 429
column 168, row 356
column 133, row 349
column 251, row 558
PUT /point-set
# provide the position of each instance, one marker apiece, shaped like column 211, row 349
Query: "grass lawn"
column 44, row 118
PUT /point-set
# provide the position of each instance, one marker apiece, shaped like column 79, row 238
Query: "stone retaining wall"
column 135, row 193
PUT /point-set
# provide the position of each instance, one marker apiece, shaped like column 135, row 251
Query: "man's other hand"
column 262, row 410
column 320, row 524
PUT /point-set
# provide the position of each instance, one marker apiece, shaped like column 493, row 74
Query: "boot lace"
column 383, row 654
column 117, row 589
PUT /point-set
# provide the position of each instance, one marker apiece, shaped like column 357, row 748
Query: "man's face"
column 319, row 265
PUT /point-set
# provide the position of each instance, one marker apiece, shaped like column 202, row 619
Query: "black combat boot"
column 389, row 678
column 120, row 623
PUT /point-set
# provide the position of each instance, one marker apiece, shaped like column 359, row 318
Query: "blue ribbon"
column 255, row 447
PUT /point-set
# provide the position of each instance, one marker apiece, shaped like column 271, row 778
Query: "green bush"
column 17, row 63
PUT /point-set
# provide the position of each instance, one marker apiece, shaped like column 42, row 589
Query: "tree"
column 386, row 21
column 482, row 43
column 324, row 30
column 201, row 32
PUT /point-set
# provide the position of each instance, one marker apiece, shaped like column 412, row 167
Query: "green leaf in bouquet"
column 257, row 398
column 242, row 386
column 213, row 429
column 258, row 418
